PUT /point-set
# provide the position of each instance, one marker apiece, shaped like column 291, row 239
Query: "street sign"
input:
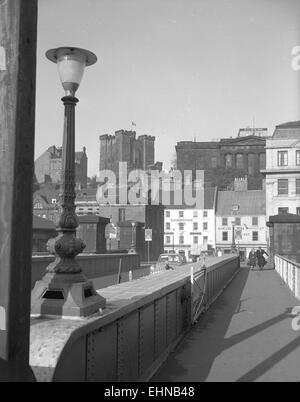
column 112, row 231
column 148, row 234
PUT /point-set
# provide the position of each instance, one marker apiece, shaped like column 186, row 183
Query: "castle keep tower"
column 125, row 147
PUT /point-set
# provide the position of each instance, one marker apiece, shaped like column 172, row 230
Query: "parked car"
column 169, row 261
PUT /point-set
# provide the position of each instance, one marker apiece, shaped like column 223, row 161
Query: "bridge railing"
column 142, row 323
column 208, row 283
column 94, row 266
column 290, row 273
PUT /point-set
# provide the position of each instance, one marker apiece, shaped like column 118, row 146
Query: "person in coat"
column 261, row 261
column 252, row 259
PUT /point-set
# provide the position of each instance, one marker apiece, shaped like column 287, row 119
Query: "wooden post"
column 18, row 31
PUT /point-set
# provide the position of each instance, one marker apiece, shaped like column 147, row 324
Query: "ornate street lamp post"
column 233, row 236
column 132, row 249
column 64, row 290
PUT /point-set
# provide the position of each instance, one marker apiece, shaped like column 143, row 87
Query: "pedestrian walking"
column 261, row 261
column 252, row 259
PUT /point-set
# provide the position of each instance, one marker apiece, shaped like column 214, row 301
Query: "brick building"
column 48, row 166
column 138, row 152
column 46, row 202
column 146, row 216
column 245, row 153
column 42, row 231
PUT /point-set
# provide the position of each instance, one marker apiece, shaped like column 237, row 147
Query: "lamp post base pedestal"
column 69, row 295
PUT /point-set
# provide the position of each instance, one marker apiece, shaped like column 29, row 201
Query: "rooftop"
column 209, row 195
column 287, row 131
column 250, row 202
column 39, row 223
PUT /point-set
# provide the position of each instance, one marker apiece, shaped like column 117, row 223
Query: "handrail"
column 297, row 264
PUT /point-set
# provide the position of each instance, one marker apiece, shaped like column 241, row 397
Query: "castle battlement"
column 146, row 137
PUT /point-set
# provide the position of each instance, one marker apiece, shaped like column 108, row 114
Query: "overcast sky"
column 178, row 68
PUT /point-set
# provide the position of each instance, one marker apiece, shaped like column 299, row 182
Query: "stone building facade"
column 245, row 153
column 139, row 153
column 191, row 230
column 282, row 172
column 241, row 221
column 48, row 166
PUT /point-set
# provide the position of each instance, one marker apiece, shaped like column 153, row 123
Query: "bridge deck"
column 245, row 336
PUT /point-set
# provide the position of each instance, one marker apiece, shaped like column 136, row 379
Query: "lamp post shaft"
column 233, row 236
column 68, row 220
column 66, row 246
column 133, row 238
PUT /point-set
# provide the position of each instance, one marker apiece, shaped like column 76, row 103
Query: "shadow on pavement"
column 210, row 341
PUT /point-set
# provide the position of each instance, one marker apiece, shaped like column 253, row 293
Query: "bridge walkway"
column 245, row 336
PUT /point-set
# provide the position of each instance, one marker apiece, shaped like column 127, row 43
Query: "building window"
column 228, row 160
column 195, row 214
column 213, row 162
column 168, row 226
column 195, row 239
column 224, row 236
column 297, row 186
column 181, row 226
column 167, row 214
column 53, row 201
column 254, row 236
column 262, row 161
column 180, row 214
column 204, row 214
column 205, row 225
column 254, row 220
column 224, row 221
column 181, row 239
column 282, row 158
column 121, row 214
column 238, row 221
column 240, row 161
column 283, row 186
column 251, row 163
column 283, row 210
column 195, row 226
column 298, row 157
column 168, row 239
